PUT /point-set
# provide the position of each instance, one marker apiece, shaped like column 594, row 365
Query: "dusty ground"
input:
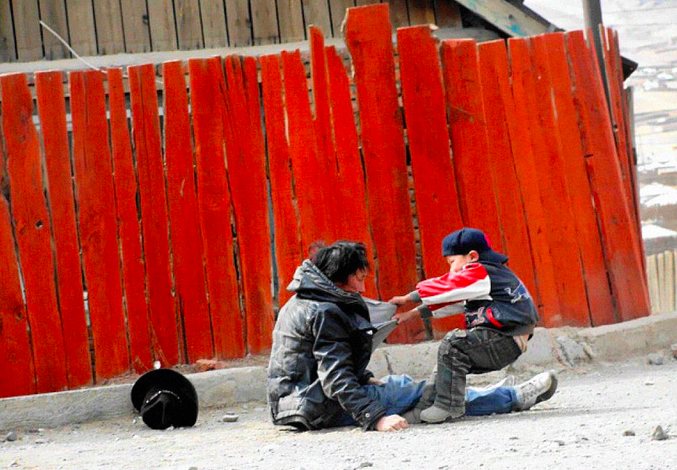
column 582, row 426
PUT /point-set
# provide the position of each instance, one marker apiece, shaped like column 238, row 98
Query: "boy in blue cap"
column 500, row 318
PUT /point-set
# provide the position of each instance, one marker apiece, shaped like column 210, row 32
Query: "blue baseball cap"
column 462, row 242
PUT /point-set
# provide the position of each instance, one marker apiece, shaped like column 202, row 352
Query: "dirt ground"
column 583, row 426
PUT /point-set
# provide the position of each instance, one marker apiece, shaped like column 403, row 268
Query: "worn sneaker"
column 413, row 416
column 536, row 390
column 434, row 415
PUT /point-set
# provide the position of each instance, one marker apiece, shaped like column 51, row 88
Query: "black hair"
column 341, row 259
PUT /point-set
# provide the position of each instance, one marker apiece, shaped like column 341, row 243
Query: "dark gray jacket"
column 321, row 348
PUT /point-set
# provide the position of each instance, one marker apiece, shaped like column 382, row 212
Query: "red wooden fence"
column 236, row 177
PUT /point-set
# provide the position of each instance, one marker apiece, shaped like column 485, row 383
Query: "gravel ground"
column 583, row 426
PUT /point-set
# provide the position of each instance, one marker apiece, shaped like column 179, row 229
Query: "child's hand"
column 405, row 316
column 399, row 300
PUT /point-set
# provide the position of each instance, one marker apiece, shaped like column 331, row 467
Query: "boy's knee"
column 451, row 340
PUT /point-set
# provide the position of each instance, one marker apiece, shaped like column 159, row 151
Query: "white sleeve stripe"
column 477, row 289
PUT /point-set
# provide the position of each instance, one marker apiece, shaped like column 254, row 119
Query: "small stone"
column 10, row 437
column 559, row 442
column 157, row 365
column 513, row 438
column 192, row 468
column 656, row 359
column 14, row 464
column 366, row 464
column 134, row 421
column 628, row 432
column 658, row 434
column 648, row 382
column 41, row 441
column 673, row 349
column 230, row 418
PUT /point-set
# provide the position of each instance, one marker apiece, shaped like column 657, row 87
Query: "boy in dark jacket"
column 500, row 318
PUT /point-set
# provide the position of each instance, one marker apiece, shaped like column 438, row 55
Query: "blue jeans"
column 400, row 393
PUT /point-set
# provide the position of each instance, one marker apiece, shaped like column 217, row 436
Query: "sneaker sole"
column 550, row 392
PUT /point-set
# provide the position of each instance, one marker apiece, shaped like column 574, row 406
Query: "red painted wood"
column 368, row 36
column 326, row 166
column 187, row 247
column 247, row 175
column 214, row 205
column 288, row 250
column 312, row 198
column 148, row 147
column 354, row 220
column 98, row 228
column 16, row 361
column 469, row 139
column 133, row 263
column 52, row 111
column 550, row 51
column 32, row 228
column 437, row 201
column 548, row 158
column 516, row 242
column 622, row 246
column 522, row 152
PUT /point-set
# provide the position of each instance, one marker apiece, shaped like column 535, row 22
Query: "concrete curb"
column 554, row 347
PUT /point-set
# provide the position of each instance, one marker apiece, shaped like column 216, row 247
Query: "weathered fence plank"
column 53, row 14
column 421, row 12
column 437, row 201
column 264, row 22
column 136, row 25
column 52, row 112
column 239, row 23
column 81, row 33
column 98, row 228
column 133, row 262
column 290, row 13
column 187, row 246
column 288, row 250
column 27, row 30
column 162, row 26
column 7, row 43
column 188, row 26
column 621, row 243
column 149, row 163
column 368, row 36
column 213, row 23
column 110, row 36
column 516, row 242
column 16, row 359
column 316, row 13
column 214, row 205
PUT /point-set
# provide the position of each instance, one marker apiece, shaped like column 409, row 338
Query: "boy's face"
column 355, row 283
column 456, row 262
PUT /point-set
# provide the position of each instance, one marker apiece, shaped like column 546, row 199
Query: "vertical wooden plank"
column 98, row 228
column 531, row 68
column 316, row 12
column 239, row 23
column 652, row 278
column 355, row 221
column 187, row 245
column 447, row 14
column 368, row 36
column 421, row 12
column 136, row 25
column 148, row 146
column 188, row 26
column 81, row 33
column 54, row 15
column 27, row 30
column 213, row 17
column 7, row 44
column 214, row 207
column 32, row 225
column 52, row 109
column 288, row 250
column 16, row 360
column 133, row 264
column 551, row 50
column 437, row 201
column 264, row 22
column 247, row 177
column 516, row 243
column 622, row 244
column 312, row 200
column 399, row 14
column 290, row 13
column 110, row 36
column 361, row 3
column 325, row 168
column 476, row 189
column 162, row 26
column 523, row 159
column 338, row 12
column 662, row 294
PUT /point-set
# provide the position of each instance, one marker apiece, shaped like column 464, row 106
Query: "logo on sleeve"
column 518, row 294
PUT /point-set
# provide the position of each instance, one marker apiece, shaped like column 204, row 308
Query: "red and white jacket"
column 490, row 295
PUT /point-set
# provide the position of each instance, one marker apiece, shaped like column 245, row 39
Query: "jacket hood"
column 311, row 283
